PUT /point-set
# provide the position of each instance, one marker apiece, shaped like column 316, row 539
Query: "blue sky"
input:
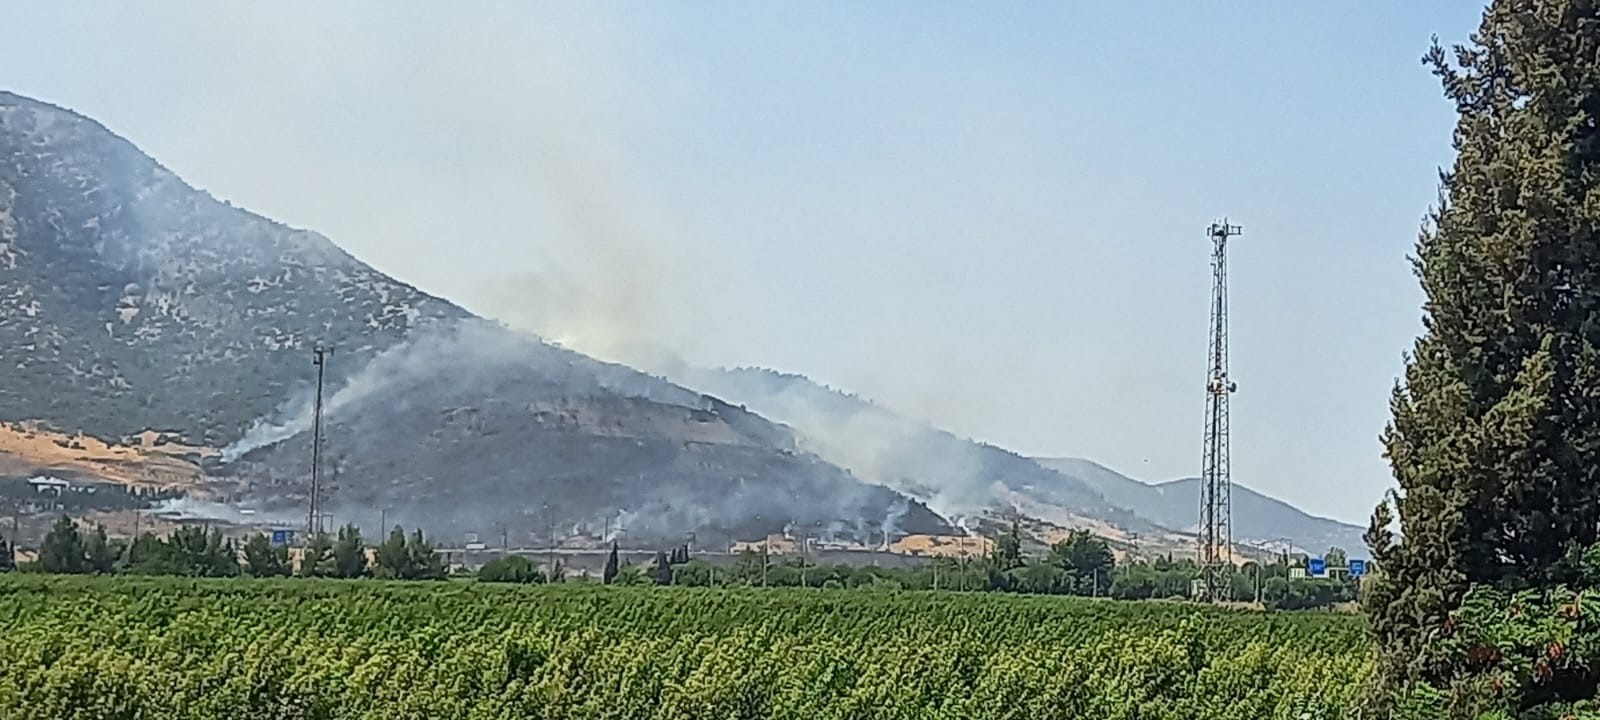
column 987, row 215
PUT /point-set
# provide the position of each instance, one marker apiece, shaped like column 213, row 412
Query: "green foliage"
column 1008, row 549
column 263, row 559
column 170, row 648
column 99, row 554
column 8, row 558
column 63, row 551
column 318, row 558
column 609, row 574
column 661, row 570
column 350, row 554
column 1496, row 426
column 510, row 569
column 425, row 563
column 1087, row 561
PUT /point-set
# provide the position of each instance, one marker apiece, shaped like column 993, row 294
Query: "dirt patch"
column 27, row 449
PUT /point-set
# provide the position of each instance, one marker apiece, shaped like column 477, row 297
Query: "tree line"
column 1081, row 564
column 194, row 551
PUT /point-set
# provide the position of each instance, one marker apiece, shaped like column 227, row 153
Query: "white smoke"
column 187, row 508
column 875, row 445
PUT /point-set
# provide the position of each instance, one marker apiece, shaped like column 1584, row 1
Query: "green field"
column 154, row 648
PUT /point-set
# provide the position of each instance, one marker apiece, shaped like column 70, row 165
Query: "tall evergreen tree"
column 1495, row 436
column 425, row 563
column 8, row 557
column 393, row 558
column 1008, row 550
column 611, row 569
column 661, row 572
column 63, row 549
column 100, row 557
column 349, row 553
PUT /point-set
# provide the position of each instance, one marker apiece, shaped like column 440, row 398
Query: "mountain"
column 956, row 476
column 132, row 301
column 1257, row 518
column 960, row 477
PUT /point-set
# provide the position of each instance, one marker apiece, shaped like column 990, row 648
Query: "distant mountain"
column 130, row 300
column 1257, row 518
column 955, row 476
column 961, row 477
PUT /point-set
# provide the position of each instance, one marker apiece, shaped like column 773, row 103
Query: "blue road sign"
column 1358, row 568
column 282, row 537
column 1317, row 567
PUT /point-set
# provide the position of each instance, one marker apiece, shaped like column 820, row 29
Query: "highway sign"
column 282, row 537
column 1317, row 567
column 1358, row 568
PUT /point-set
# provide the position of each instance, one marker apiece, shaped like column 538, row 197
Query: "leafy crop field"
column 156, row 648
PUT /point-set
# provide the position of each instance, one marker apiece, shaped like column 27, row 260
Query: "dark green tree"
column 1087, row 560
column 392, row 560
column 425, row 563
column 611, row 569
column 1008, row 550
column 349, row 554
column 661, row 571
column 1495, row 435
column 317, row 561
column 147, row 555
column 63, row 549
column 1336, row 557
column 263, row 559
column 510, row 569
column 8, row 557
column 100, row 556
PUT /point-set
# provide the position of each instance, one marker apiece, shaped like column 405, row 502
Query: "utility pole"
column 1216, row 483
column 804, row 540
column 550, row 535
column 319, row 357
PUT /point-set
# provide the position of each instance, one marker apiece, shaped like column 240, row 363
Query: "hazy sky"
column 986, row 215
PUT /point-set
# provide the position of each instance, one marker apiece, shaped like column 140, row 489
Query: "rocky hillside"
column 956, row 476
column 117, row 278
column 130, row 300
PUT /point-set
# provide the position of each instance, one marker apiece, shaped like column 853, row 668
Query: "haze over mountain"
column 961, row 477
column 130, row 300
column 1257, row 518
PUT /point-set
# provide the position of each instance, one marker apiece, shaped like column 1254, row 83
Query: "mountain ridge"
column 1257, row 517
column 130, row 300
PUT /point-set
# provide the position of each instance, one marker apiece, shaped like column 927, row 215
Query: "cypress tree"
column 350, row 553
column 425, row 563
column 662, row 571
column 610, row 572
column 393, row 558
column 1495, row 436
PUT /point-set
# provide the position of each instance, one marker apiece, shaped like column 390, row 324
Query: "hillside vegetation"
column 170, row 648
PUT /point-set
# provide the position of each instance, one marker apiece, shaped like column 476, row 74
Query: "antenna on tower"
column 1216, row 482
